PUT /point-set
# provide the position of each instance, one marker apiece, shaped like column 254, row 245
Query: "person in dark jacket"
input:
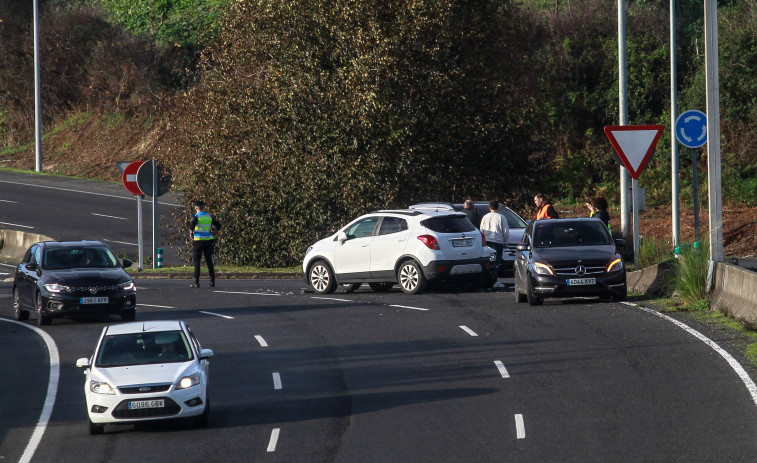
column 473, row 215
column 598, row 207
column 204, row 241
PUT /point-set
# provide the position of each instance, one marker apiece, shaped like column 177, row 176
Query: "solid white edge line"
column 217, row 315
column 468, row 330
column 158, row 306
column 245, row 292
column 276, row 381
column 52, row 391
column 121, row 242
column 502, row 369
column 330, row 299
column 15, row 225
column 407, row 307
column 520, row 427
column 261, row 341
column 274, row 439
column 735, row 365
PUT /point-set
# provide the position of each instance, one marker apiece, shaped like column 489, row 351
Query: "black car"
column 567, row 258
column 58, row 279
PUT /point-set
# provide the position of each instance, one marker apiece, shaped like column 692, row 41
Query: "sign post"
column 129, row 179
column 691, row 131
column 634, row 145
column 153, row 185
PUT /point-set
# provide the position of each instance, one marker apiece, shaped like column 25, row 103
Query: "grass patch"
column 720, row 319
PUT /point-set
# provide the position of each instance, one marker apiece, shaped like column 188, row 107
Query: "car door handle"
column 401, row 240
column 364, row 245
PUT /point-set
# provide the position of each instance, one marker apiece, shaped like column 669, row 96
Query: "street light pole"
column 625, row 215
column 37, row 102
column 714, row 183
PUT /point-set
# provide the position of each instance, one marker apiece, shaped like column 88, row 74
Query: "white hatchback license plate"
column 582, row 281
column 466, row 243
column 93, row 300
column 139, row 404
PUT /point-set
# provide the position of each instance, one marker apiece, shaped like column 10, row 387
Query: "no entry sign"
column 129, row 178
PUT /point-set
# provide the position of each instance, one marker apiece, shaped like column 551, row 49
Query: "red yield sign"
column 129, row 178
column 634, row 144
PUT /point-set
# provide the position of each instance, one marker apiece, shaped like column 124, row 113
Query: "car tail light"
column 483, row 239
column 429, row 241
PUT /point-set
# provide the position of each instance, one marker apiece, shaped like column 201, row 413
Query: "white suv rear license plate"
column 466, row 243
column 582, row 281
column 139, row 404
column 93, row 300
column 465, row 268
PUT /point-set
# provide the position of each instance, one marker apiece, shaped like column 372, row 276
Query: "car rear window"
column 449, row 224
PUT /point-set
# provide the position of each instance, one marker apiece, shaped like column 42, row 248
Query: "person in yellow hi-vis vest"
column 204, row 242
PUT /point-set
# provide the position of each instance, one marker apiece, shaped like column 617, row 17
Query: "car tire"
column 532, row 298
column 18, row 313
column 381, row 287
column 519, row 297
column 411, row 278
column 129, row 315
column 321, row 278
column 95, row 429
column 41, row 319
column 350, row 287
column 204, row 419
column 620, row 296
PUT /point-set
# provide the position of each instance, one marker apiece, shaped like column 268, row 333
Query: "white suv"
column 409, row 247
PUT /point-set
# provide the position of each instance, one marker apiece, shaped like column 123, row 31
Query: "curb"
column 219, row 276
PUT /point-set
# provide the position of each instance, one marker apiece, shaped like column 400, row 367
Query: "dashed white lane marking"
column 261, row 341
column 277, row 381
column 502, row 369
column 331, row 299
column 217, row 315
column 110, row 216
column 274, row 439
column 52, row 392
column 468, row 330
column 121, row 242
column 520, row 427
column 407, row 307
column 735, row 365
column 247, row 292
column 15, row 225
column 8, row 201
column 158, row 306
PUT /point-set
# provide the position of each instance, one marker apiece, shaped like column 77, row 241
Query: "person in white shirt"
column 495, row 230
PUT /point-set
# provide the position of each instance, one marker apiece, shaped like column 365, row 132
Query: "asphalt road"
column 72, row 209
column 445, row 376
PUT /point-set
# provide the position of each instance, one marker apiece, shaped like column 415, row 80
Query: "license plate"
column 93, row 300
column 582, row 281
column 462, row 243
column 139, row 404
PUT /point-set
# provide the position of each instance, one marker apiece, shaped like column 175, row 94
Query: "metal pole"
column 623, row 105
column 140, row 244
column 37, row 102
column 676, row 213
column 714, row 183
column 695, row 187
column 154, row 213
column 636, row 242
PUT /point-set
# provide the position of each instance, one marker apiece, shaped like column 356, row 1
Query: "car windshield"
column 449, row 224
column 143, row 349
column 554, row 234
column 78, row 257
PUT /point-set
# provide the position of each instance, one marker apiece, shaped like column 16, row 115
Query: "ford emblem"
column 93, row 290
column 144, row 389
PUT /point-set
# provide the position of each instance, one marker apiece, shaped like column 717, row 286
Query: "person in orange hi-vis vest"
column 546, row 211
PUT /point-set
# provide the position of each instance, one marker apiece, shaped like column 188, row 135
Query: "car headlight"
column 543, row 269
column 615, row 265
column 101, row 388
column 188, row 381
column 56, row 287
column 128, row 286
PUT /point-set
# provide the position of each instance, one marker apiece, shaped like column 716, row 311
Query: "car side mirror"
column 83, row 363
column 620, row 242
column 341, row 237
column 523, row 247
column 206, row 354
column 127, row 263
column 31, row 266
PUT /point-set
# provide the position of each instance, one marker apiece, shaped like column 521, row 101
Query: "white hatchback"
column 408, row 247
column 145, row 371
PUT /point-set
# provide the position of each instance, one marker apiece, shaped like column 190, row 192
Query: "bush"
column 653, row 251
column 691, row 272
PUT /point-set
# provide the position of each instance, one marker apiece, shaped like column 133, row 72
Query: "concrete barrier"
column 15, row 243
column 734, row 292
column 655, row 280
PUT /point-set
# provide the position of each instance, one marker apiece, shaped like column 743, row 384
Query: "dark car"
column 567, row 258
column 58, row 279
